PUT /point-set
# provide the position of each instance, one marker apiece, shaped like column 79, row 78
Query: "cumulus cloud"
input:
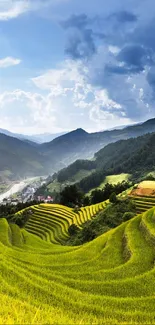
column 25, row 111
column 121, row 62
column 64, row 100
column 8, row 62
column 70, row 85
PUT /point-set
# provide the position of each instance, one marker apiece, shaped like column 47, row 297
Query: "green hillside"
column 113, row 179
column 134, row 156
column 19, row 159
column 107, row 281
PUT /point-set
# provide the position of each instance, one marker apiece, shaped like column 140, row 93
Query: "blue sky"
column 66, row 64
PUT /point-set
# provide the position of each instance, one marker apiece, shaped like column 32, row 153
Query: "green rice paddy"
column 107, row 281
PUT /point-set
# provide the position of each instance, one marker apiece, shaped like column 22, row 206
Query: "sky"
column 68, row 64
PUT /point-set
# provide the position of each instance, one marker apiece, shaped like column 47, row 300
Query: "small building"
column 49, row 199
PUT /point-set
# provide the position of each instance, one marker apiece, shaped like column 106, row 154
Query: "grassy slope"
column 109, row 280
column 113, row 179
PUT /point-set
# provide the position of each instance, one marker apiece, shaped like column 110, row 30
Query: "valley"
column 77, row 162
column 18, row 188
column 86, row 256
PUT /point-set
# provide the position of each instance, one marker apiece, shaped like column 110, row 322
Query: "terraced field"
column 51, row 222
column 144, row 203
column 107, row 281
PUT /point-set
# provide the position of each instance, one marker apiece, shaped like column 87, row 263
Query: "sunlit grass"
column 107, row 281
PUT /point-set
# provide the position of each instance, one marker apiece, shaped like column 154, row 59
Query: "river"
column 16, row 188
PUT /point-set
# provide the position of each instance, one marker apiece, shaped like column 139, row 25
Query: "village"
column 28, row 194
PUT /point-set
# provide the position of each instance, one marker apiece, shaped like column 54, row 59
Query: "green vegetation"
column 76, row 171
column 9, row 211
column 112, row 216
column 71, row 196
column 99, row 195
column 113, row 179
column 134, row 156
column 51, row 222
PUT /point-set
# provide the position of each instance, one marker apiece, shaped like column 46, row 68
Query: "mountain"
column 67, row 148
column 19, row 159
column 45, row 137
column 79, row 144
column 26, row 158
column 135, row 156
column 37, row 138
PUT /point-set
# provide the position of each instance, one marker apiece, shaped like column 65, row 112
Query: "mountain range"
column 24, row 158
column 37, row 138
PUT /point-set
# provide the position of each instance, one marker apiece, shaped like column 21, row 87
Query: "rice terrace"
column 109, row 280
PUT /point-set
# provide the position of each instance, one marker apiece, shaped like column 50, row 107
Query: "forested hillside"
column 135, row 156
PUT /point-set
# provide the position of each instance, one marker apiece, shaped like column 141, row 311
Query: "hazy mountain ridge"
column 37, row 138
column 25, row 158
column 20, row 158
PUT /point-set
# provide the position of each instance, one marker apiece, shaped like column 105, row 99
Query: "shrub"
column 73, row 230
column 113, row 198
column 128, row 215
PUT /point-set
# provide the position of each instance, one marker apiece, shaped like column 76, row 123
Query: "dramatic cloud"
column 131, row 59
column 107, row 77
column 8, row 62
column 84, row 33
column 121, row 62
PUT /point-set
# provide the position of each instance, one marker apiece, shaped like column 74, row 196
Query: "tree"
column 97, row 196
column 86, row 200
column 71, row 196
column 88, row 234
column 128, row 215
column 113, row 198
column 73, row 229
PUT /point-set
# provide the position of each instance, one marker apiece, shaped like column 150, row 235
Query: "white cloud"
column 8, row 62
column 10, row 9
column 68, row 103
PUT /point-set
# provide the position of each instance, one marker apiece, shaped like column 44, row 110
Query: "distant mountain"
column 67, row 148
column 19, row 159
column 37, row 138
column 45, row 137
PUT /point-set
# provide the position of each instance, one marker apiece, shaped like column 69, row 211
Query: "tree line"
column 73, row 196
